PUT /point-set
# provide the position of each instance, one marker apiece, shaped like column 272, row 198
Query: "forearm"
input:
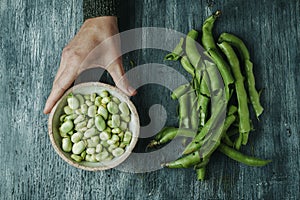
column 97, row 8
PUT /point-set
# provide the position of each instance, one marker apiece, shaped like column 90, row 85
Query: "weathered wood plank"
column 32, row 35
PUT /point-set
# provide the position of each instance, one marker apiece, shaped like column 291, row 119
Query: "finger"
column 63, row 82
column 61, row 68
column 116, row 71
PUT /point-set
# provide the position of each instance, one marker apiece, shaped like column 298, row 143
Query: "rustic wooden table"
column 32, row 36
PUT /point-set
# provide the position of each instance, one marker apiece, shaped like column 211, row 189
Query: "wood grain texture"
column 32, row 36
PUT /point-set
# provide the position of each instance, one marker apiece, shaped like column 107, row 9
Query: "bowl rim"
column 129, row 149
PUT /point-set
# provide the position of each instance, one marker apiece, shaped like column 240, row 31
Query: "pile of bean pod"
column 198, row 119
column 94, row 127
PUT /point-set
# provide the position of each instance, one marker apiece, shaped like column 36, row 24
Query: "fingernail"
column 131, row 90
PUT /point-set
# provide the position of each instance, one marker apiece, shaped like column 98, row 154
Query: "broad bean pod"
column 177, row 52
column 238, row 156
column 244, row 53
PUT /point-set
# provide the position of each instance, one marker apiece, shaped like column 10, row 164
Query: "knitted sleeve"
column 97, row 8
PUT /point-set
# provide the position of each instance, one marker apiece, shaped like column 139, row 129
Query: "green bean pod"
column 224, row 70
column 163, row 132
column 244, row 53
column 191, row 48
column 203, row 98
column 243, row 111
column 185, row 161
column 169, row 133
column 184, row 111
column 201, row 173
column 177, row 52
column 213, row 77
column 203, row 102
column 253, row 94
column 208, row 41
column 187, row 65
column 194, row 114
column 232, row 110
column 227, row 123
column 236, row 42
column 211, row 142
column 238, row 141
column 181, row 90
column 238, row 156
column 205, row 84
column 197, row 142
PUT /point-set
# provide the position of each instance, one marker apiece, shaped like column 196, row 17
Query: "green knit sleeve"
column 97, row 8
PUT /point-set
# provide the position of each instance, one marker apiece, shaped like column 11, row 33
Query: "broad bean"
column 127, row 137
column 104, row 143
column 71, row 117
column 83, row 154
column 115, row 121
column 90, row 132
column 80, row 125
column 91, row 150
column 123, row 126
column 80, row 99
column 66, row 144
column 62, row 118
column 104, row 94
column 100, row 123
column 78, row 111
column 78, row 119
column 92, row 111
column 98, row 101
column 124, row 108
column 99, row 148
column 91, row 143
column 66, row 126
column 87, row 97
column 84, row 109
column 116, row 130
column 90, row 158
column 112, row 107
column 103, row 112
column 104, row 135
column 76, row 158
column 116, row 100
column 73, row 102
column 117, row 152
column 125, row 118
column 78, row 147
column 76, row 137
column 115, row 138
column 93, row 97
column 90, row 123
column 68, row 110
column 88, row 103
column 105, row 100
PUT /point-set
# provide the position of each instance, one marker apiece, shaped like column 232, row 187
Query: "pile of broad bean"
column 229, row 82
column 94, row 127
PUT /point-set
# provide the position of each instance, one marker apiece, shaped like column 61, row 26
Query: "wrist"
column 106, row 26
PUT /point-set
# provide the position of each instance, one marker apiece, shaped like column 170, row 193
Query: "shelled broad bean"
column 95, row 127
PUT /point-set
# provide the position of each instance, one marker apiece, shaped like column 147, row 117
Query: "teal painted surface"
column 32, row 36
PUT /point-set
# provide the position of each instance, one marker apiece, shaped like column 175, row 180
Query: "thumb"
column 116, row 71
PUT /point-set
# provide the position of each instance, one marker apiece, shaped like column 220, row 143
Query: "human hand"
column 93, row 32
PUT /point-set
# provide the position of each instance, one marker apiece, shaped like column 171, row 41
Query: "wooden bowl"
column 57, row 111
